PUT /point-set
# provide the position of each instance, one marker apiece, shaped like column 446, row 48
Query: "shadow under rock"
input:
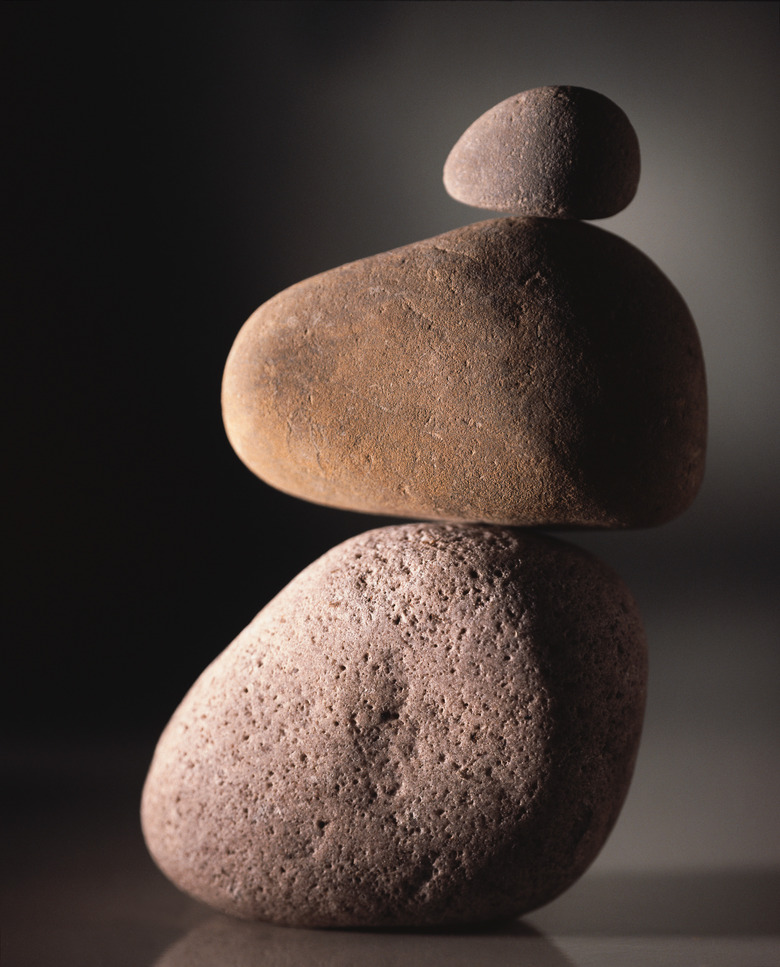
column 705, row 904
column 222, row 940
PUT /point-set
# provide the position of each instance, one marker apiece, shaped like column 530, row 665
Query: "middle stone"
column 519, row 371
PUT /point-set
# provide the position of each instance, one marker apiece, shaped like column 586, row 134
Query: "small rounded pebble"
column 513, row 371
column 432, row 724
column 552, row 152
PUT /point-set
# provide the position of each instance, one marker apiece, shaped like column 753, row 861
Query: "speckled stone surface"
column 431, row 724
column 514, row 371
column 552, row 152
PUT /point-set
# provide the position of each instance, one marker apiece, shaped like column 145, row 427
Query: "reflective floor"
column 80, row 889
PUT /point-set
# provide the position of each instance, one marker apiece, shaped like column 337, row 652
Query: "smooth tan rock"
column 431, row 724
column 552, row 152
column 517, row 371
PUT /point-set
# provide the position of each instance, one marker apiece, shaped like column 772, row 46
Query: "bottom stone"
column 432, row 724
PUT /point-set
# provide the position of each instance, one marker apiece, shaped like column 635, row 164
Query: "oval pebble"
column 513, row 371
column 431, row 724
column 552, row 152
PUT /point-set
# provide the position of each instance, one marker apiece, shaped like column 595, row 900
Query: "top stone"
column 552, row 152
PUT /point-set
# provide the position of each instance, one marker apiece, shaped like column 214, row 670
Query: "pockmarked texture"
column 513, row 371
column 431, row 724
column 552, row 152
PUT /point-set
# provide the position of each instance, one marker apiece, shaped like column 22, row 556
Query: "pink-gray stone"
column 552, row 152
column 432, row 724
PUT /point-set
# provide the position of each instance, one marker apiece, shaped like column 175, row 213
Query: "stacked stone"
column 437, row 723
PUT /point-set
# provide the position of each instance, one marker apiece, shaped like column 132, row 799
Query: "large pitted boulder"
column 517, row 371
column 552, row 152
column 431, row 724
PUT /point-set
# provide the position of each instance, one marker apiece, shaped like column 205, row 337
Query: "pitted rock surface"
column 514, row 371
column 552, row 152
column 431, row 724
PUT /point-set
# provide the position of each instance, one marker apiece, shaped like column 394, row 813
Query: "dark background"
column 171, row 167
column 139, row 544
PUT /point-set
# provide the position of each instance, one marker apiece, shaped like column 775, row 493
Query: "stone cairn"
column 436, row 723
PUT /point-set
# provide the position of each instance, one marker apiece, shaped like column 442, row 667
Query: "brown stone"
column 431, row 724
column 553, row 152
column 516, row 371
